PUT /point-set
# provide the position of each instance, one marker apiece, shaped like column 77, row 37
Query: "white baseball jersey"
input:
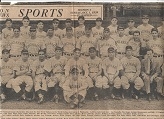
column 103, row 46
column 34, row 45
column 79, row 31
column 84, row 43
column 131, row 65
column 7, row 33
column 145, row 30
column 50, row 45
column 41, row 34
column 129, row 31
column 58, row 33
column 64, row 32
column 69, row 44
column 97, row 33
column 111, row 66
column 56, row 65
column 113, row 29
column 80, row 64
column 157, row 46
column 25, row 31
column 16, row 45
column 135, row 46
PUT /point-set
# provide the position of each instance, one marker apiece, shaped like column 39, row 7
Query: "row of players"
column 77, row 77
column 69, row 42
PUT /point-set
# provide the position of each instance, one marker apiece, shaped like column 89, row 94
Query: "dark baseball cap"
column 58, row 48
column 16, row 27
column 106, row 29
column 55, row 20
column 145, row 16
column 92, row 49
column 5, row 51
column 128, row 47
column 74, row 71
column 32, row 28
column 154, row 29
column 68, row 20
column 81, row 17
column 8, row 19
column 111, row 49
column 69, row 29
column 99, row 19
column 24, row 51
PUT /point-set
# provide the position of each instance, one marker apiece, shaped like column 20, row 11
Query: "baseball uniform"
column 4, row 44
column 25, row 32
column 129, row 31
column 79, row 31
column 64, row 32
column 97, row 33
column 41, row 34
column 7, row 33
column 58, row 33
column 113, row 29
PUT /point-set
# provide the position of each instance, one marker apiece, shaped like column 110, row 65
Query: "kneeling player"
column 74, row 89
column 38, row 75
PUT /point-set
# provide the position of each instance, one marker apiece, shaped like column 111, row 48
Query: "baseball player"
column 6, row 74
column 69, row 43
column 97, row 31
column 145, row 28
column 130, row 77
column 131, row 27
column 86, row 41
column 40, row 32
column 56, row 77
column 77, row 62
column 51, row 41
column 57, row 31
column 34, row 44
column 157, row 45
column 75, row 89
column 39, row 76
column 160, row 29
column 16, row 44
column 95, row 70
column 25, row 29
column 113, row 26
column 23, row 75
column 68, row 23
column 111, row 67
column 121, row 42
column 150, row 72
column 105, row 43
column 7, row 32
column 80, row 30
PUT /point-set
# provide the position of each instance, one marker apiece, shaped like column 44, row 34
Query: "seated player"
column 75, row 88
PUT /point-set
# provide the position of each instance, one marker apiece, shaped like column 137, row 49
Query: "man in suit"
column 150, row 71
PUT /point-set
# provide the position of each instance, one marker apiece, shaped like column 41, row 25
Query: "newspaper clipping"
column 71, row 60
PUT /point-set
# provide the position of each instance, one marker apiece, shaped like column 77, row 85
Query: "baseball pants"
column 40, row 82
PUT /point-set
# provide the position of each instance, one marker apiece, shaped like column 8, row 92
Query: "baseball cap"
column 51, row 27
column 16, row 27
column 42, row 50
column 58, row 48
column 55, row 20
column 5, row 51
column 128, row 47
column 68, row 20
column 24, row 51
column 145, row 17
column 106, row 29
column 8, row 19
column 99, row 19
column 81, row 17
column 111, row 49
column 69, row 29
column 154, row 29
column 32, row 29
column 74, row 71
column 76, row 49
column 92, row 49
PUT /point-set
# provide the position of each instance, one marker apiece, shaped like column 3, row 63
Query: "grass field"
column 110, row 104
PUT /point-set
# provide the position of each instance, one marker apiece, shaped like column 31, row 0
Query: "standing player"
column 157, row 45
column 68, row 23
column 23, row 75
column 131, row 27
column 56, row 77
column 113, row 26
column 145, row 28
column 39, row 76
column 17, row 44
column 51, row 41
column 161, row 29
column 69, row 43
column 86, row 41
column 75, row 89
column 7, row 32
column 97, row 31
column 111, row 67
column 57, row 31
column 95, row 70
column 121, row 42
column 130, row 77
column 80, row 30
column 6, row 74
column 150, row 74
column 25, row 29
column 34, row 44
column 105, row 43
column 40, row 33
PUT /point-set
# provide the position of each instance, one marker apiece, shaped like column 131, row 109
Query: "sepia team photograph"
column 92, row 56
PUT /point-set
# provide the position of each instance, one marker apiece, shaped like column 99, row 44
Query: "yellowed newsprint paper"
column 77, row 60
